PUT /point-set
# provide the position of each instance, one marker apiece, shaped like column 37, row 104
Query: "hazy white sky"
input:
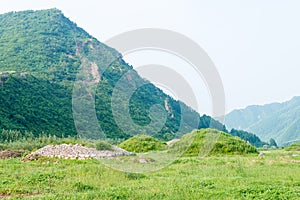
column 255, row 44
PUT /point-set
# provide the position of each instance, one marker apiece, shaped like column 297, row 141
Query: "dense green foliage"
column 142, row 144
column 35, row 105
column 101, row 145
column 274, row 176
column 41, row 43
column 249, row 137
column 195, row 144
column 280, row 121
column 45, row 53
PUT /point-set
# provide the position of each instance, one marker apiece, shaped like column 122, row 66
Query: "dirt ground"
column 11, row 154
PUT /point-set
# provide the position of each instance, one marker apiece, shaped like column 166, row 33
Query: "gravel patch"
column 77, row 151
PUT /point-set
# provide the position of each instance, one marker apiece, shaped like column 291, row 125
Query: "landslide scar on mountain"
column 95, row 73
column 89, row 69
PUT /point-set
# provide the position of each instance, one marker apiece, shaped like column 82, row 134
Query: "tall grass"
column 15, row 140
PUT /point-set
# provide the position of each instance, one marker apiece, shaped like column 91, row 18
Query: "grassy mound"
column 293, row 147
column 142, row 144
column 195, row 143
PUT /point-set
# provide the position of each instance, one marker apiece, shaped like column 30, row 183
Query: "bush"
column 101, row 146
column 80, row 187
column 142, row 144
column 134, row 176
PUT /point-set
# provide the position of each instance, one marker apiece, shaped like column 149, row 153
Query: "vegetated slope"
column 41, row 43
column 142, row 143
column 28, row 103
column 248, row 137
column 280, row 121
column 43, row 53
column 293, row 147
column 195, row 144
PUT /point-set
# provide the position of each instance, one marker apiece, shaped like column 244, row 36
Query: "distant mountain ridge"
column 280, row 121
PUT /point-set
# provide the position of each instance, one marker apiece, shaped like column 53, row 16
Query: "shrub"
column 134, row 176
column 142, row 144
column 101, row 146
column 80, row 187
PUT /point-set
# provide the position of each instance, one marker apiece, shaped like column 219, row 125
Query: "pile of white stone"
column 77, row 151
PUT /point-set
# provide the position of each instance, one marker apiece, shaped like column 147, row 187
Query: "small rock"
column 146, row 160
column 171, row 142
column 261, row 154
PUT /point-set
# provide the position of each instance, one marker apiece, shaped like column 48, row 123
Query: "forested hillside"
column 280, row 121
column 43, row 53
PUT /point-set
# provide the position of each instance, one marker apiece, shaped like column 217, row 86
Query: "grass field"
column 274, row 176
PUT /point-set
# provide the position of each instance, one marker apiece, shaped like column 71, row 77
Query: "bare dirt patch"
column 95, row 73
column 6, row 154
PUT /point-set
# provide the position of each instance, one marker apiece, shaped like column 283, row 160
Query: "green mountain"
column 280, row 121
column 53, row 73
